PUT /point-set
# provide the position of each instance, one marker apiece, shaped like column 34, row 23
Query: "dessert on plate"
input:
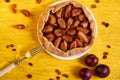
column 66, row 29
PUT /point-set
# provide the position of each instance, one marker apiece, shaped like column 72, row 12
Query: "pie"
column 66, row 29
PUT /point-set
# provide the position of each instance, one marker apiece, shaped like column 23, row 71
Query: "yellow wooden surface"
column 44, row 64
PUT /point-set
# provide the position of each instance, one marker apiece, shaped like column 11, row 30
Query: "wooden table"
column 44, row 65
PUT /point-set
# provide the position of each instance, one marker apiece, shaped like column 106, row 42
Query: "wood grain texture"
column 44, row 64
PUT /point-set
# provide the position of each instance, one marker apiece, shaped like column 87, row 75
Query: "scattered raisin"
column 51, row 79
column 29, row 76
column 25, row 12
column 19, row 26
column 7, row 0
column 97, row 1
column 65, row 75
column 13, row 7
column 58, row 77
column 93, row 6
column 7, row 46
column 105, row 53
column 30, row 64
column 105, row 24
column 58, row 71
column 104, row 56
column 108, row 46
column 11, row 45
column 13, row 49
column 38, row 1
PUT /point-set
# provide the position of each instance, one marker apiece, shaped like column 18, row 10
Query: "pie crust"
column 48, row 46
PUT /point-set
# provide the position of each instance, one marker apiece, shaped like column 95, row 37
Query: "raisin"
column 25, row 12
column 29, row 76
column 93, row 6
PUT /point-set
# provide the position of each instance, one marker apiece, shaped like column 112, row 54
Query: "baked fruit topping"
column 67, row 29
